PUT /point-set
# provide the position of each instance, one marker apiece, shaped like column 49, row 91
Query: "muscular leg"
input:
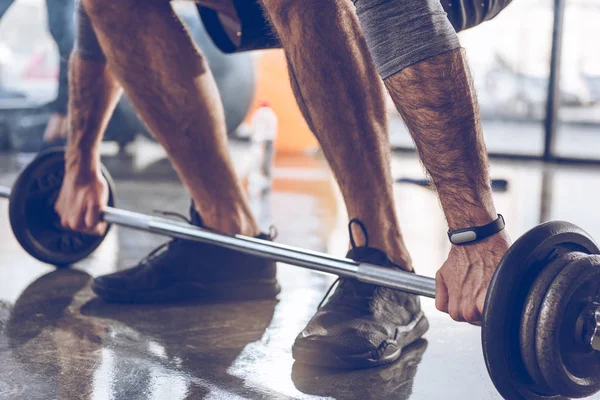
column 342, row 99
column 340, row 93
column 169, row 83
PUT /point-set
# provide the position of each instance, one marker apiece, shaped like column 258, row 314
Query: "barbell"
column 541, row 320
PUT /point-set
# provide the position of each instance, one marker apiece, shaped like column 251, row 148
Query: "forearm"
column 93, row 95
column 437, row 101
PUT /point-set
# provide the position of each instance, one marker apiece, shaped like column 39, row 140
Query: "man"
column 61, row 26
column 143, row 48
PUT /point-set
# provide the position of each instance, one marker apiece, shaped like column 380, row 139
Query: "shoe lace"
column 273, row 232
column 172, row 214
column 333, row 285
column 162, row 249
column 175, row 242
column 346, row 286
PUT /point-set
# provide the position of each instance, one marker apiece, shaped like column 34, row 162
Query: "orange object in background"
column 273, row 85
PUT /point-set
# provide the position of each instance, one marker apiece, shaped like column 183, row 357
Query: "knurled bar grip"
column 381, row 276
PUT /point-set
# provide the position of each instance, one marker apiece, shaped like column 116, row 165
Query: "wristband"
column 476, row 233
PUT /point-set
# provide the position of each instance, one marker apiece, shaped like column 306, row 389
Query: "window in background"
column 510, row 62
column 578, row 132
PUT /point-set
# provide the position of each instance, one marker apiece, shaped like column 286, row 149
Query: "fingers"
column 467, row 308
column 471, row 315
column 85, row 219
column 80, row 205
column 479, row 303
column 461, row 308
column 455, row 309
column 444, row 302
column 93, row 223
column 441, row 293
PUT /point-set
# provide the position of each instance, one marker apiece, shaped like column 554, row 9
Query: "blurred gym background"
column 536, row 68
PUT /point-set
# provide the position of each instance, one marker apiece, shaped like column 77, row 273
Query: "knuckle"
column 90, row 223
column 471, row 315
column 456, row 315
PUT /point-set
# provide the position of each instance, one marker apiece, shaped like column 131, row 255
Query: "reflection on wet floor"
column 58, row 341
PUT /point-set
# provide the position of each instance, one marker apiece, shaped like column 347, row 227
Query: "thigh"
column 465, row 14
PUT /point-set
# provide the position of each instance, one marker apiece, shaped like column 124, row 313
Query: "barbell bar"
column 368, row 273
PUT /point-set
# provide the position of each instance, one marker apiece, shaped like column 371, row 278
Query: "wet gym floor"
column 57, row 341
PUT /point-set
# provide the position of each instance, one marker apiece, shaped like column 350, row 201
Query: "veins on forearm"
column 437, row 101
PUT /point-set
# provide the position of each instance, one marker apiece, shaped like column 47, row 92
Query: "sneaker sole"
column 323, row 356
column 240, row 290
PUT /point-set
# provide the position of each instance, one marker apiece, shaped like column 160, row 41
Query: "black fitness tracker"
column 476, row 233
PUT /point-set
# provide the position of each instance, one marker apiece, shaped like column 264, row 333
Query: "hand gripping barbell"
column 541, row 321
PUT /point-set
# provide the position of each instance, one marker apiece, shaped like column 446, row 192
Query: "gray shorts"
column 253, row 31
column 399, row 33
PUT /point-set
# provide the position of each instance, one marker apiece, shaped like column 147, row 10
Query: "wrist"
column 500, row 243
column 470, row 218
column 468, row 212
column 475, row 234
column 466, row 204
column 81, row 162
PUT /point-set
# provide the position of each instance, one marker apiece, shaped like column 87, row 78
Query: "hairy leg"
column 171, row 86
column 341, row 97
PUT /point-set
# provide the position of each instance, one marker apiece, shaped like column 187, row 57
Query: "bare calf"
column 341, row 97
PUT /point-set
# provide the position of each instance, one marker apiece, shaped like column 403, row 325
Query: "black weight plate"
column 569, row 366
column 34, row 222
column 505, row 300
column 529, row 319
